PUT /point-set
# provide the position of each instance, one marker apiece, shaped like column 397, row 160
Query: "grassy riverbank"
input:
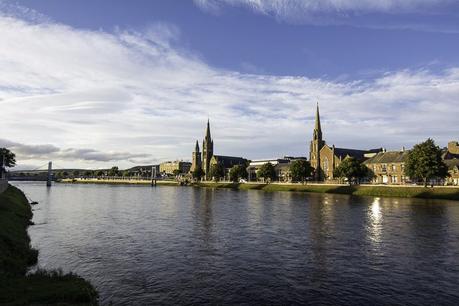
column 16, row 255
column 118, row 182
column 376, row 191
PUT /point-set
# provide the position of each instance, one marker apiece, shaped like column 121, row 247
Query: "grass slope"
column 16, row 255
column 376, row 191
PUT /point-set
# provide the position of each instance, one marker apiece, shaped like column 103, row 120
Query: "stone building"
column 170, row 166
column 451, row 158
column 324, row 158
column 388, row 167
column 228, row 162
column 207, row 151
column 196, row 161
column 208, row 158
column 281, row 166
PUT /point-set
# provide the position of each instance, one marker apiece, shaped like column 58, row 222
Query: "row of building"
column 387, row 166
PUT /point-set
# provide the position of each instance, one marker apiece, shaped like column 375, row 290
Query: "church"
column 208, row 158
column 324, row 158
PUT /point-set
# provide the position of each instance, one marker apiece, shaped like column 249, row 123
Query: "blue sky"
column 129, row 82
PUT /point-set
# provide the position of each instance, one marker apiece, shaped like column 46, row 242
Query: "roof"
column 357, row 154
column 388, row 157
column 452, row 163
column 229, row 161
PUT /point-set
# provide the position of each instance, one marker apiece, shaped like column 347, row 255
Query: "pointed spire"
column 196, row 148
column 208, row 130
column 317, row 126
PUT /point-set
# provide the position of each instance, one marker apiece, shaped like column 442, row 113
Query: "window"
column 394, row 167
column 325, row 166
column 393, row 179
column 383, row 167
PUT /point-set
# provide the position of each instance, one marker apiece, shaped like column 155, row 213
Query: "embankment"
column 443, row 193
column 16, row 255
column 118, row 181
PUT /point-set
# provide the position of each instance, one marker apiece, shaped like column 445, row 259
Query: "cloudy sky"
column 110, row 82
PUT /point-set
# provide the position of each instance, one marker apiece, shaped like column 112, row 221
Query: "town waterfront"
column 165, row 244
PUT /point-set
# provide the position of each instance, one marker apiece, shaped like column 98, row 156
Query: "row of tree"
column 424, row 162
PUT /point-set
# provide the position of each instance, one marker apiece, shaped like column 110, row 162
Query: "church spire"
column 317, row 126
column 196, row 148
column 208, row 130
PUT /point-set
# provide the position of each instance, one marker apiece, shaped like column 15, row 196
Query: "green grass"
column 16, row 255
column 376, row 191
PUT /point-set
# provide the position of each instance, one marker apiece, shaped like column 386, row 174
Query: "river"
column 142, row 245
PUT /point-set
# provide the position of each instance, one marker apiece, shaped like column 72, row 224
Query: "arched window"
column 325, row 166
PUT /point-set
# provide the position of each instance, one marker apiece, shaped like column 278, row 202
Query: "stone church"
column 208, row 158
column 324, row 158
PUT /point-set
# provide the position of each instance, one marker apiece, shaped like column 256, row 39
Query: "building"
column 281, row 166
column 228, row 162
column 451, row 158
column 196, row 161
column 207, row 151
column 388, row 167
column 170, row 166
column 208, row 158
column 324, row 159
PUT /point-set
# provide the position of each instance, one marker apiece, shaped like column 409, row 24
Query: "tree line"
column 424, row 162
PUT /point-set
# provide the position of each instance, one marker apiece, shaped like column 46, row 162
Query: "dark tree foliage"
column 238, row 172
column 300, row 170
column 267, row 172
column 217, row 172
column 176, row 172
column 8, row 158
column 197, row 173
column 424, row 162
column 99, row 173
column 114, row 171
column 351, row 169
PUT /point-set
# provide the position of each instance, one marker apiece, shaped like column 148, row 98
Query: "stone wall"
column 3, row 185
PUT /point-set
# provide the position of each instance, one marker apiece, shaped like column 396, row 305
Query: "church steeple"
column 196, row 158
column 316, row 145
column 317, row 125
column 207, row 151
column 208, row 137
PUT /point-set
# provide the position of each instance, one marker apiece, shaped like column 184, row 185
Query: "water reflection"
column 166, row 245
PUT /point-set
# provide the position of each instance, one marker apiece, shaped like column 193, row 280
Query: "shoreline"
column 436, row 193
column 41, row 287
column 398, row 191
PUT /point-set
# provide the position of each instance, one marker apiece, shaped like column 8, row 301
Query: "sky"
column 98, row 83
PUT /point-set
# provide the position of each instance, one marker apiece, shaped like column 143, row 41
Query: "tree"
column 424, row 162
column 8, row 159
column 237, row 172
column 88, row 173
column 351, row 169
column 113, row 171
column 76, row 173
column 267, row 172
column 197, row 173
column 127, row 173
column 217, row 171
column 99, row 173
column 176, row 172
column 300, row 170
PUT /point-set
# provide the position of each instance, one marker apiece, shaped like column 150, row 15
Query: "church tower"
column 316, row 144
column 207, row 151
column 196, row 158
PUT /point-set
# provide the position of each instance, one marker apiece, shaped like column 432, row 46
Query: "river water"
column 142, row 245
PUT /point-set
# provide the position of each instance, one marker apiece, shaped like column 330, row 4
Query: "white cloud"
column 320, row 12
column 135, row 92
